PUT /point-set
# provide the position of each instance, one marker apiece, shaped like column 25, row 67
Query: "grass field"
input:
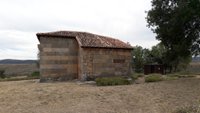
column 29, row 96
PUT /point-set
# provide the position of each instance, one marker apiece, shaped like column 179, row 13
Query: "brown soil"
column 72, row 97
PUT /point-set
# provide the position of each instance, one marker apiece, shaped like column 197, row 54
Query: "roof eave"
column 108, row 47
column 49, row 35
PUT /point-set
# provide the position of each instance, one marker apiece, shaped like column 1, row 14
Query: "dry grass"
column 194, row 67
column 18, row 69
column 29, row 96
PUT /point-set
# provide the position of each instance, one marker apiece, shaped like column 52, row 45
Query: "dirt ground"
column 29, row 96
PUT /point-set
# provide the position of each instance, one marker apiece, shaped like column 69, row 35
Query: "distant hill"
column 14, row 61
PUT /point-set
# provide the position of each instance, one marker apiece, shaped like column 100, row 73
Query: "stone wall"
column 98, row 62
column 58, row 58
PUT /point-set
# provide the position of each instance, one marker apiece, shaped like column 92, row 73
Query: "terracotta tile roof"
column 89, row 40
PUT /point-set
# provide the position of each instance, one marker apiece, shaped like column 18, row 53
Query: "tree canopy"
column 138, row 59
column 142, row 56
column 177, row 25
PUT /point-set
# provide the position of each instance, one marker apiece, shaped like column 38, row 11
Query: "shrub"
column 153, row 78
column 35, row 74
column 90, row 78
column 174, row 75
column 179, row 75
column 134, row 77
column 140, row 75
column 169, row 78
column 186, row 76
column 189, row 109
column 2, row 74
column 110, row 81
column 15, row 79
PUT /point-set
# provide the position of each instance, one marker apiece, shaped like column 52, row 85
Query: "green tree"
column 177, row 25
column 158, row 53
column 138, row 59
column 2, row 74
column 147, row 56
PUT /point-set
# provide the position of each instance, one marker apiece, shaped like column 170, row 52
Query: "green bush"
column 90, row 78
column 169, row 78
column 140, row 75
column 134, row 77
column 2, row 74
column 35, row 74
column 175, row 75
column 179, row 75
column 153, row 78
column 189, row 109
column 15, row 79
column 110, row 81
column 186, row 76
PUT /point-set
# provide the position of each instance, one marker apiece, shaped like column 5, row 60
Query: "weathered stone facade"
column 98, row 62
column 58, row 58
column 63, row 56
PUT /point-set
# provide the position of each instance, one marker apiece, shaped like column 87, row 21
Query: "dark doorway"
column 153, row 68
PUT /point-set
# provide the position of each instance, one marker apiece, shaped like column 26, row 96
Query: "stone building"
column 67, row 55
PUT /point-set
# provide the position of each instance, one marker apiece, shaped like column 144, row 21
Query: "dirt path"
column 69, row 97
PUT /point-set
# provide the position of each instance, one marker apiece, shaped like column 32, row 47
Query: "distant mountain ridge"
column 14, row 61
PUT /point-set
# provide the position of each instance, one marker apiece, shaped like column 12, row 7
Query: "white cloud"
column 18, row 45
column 22, row 19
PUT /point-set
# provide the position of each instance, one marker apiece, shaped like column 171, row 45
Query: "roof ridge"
column 87, row 39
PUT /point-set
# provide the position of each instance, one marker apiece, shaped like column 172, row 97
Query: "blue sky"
column 22, row 19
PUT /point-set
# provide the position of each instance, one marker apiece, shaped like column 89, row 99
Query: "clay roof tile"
column 89, row 40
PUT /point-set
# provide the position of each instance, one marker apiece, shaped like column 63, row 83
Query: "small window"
column 118, row 60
